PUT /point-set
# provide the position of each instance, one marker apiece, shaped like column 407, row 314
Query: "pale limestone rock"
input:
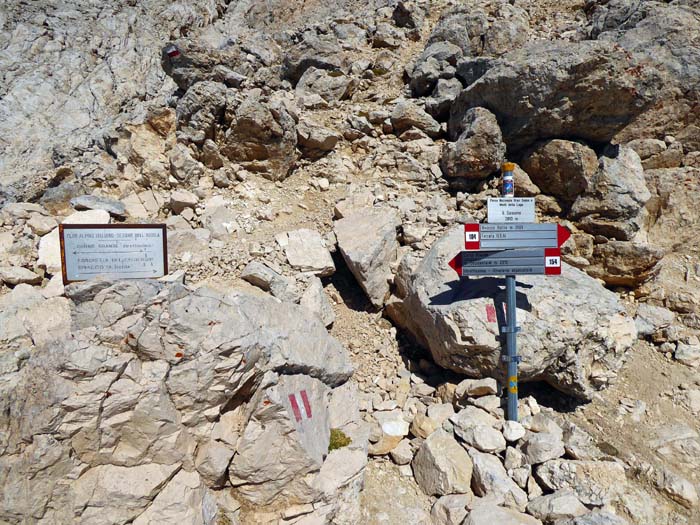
column 441, row 466
column 450, row 509
column 476, row 388
column 513, row 431
column 181, row 199
column 180, row 501
column 688, row 354
column 306, row 252
column 454, row 323
column 41, row 224
column 440, row 412
column 14, row 275
column 594, row 482
column 284, row 440
column 49, row 245
column 677, row 488
column 316, row 301
column 108, row 493
column 491, row 514
column 403, row 453
column 542, row 447
column 559, row 505
column 367, row 240
column 358, row 199
column 491, row 478
column 482, row 437
column 393, row 429
column 422, row 426
column 471, row 416
column 212, row 461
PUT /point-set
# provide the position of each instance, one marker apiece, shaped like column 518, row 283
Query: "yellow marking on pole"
column 513, row 384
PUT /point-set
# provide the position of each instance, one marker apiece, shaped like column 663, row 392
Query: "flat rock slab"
column 367, row 240
column 306, row 251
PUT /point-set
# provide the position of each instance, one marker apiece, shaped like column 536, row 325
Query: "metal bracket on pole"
column 507, row 330
column 511, row 359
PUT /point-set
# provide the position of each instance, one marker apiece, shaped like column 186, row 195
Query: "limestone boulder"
column 407, row 114
column 260, row 135
column 367, row 241
column 441, row 466
column 574, row 332
column 594, row 482
column 306, row 251
column 491, row 479
column 479, row 149
column 586, row 90
column 614, row 197
column 489, row 514
column 561, row 168
column 558, row 505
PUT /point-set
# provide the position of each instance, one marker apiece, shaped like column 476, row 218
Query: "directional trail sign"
column 522, row 261
column 515, row 235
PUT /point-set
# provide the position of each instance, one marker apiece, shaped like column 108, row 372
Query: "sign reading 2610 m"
column 119, row 251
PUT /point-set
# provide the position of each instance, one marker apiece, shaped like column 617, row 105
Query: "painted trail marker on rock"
column 510, row 244
column 124, row 251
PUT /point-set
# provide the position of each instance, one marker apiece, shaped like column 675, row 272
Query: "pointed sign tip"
column 456, row 263
column 563, row 234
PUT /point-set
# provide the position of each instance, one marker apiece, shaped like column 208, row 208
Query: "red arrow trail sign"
column 523, row 261
column 509, row 236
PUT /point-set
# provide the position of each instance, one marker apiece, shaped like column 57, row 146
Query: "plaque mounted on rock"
column 124, row 251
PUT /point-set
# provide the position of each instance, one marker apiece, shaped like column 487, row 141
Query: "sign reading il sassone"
column 124, row 251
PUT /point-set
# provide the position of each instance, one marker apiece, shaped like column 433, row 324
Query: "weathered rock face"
column 586, row 90
column 261, row 135
column 665, row 36
column 479, row 150
column 561, row 168
column 142, row 407
column 614, row 197
column 112, row 70
column 574, row 341
column 673, row 219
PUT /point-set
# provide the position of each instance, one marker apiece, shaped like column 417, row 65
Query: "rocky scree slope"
column 312, row 166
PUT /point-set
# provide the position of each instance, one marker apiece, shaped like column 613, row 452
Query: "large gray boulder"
column 587, row 90
column 574, row 332
column 667, row 37
column 149, row 390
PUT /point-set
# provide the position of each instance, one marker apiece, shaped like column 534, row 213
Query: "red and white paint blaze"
column 295, row 405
